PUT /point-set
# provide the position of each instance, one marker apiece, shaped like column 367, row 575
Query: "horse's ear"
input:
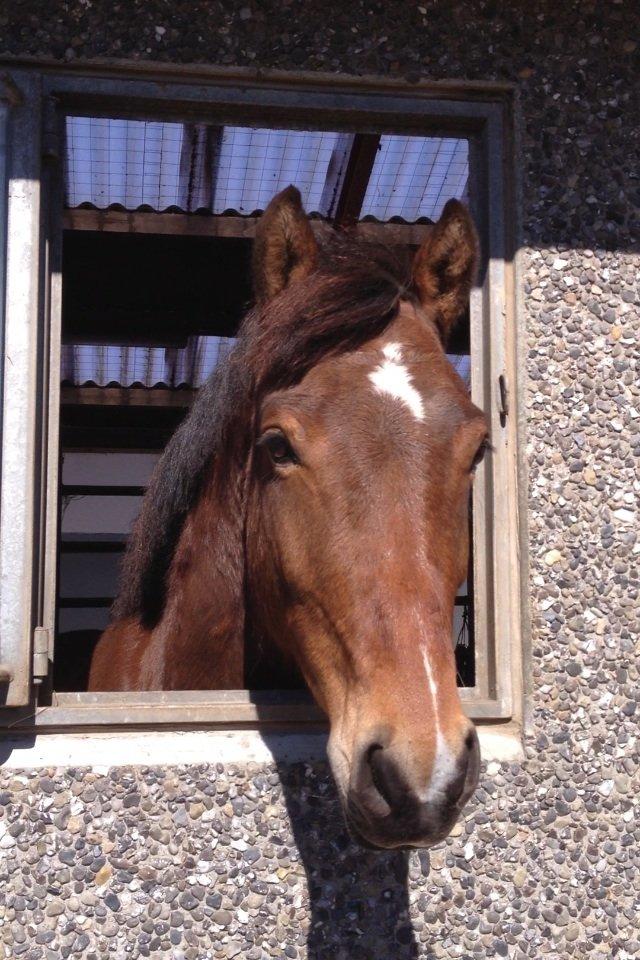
column 445, row 266
column 284, row 248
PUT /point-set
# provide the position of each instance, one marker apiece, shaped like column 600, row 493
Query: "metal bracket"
column 41, row 639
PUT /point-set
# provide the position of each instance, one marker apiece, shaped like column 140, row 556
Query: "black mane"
column 350, row 298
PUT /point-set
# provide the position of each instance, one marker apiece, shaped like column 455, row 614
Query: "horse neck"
column 200, row 636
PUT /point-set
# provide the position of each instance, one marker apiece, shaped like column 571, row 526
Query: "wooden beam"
column 175, row 224
column 197, row 225
column 356, row 179
column 126, row 397
column 393, row 234
column 82, row 603
column 92, row 546
column 114, row 440
column 101, row 490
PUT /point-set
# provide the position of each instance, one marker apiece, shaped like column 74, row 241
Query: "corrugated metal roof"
column 253, row 165
column 413, row 177
column 134, row 163
column 189, row 167
column 126, row 162
column 105, row 365
column 125, row 366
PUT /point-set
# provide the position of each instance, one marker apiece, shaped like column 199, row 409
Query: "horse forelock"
column 350, row 298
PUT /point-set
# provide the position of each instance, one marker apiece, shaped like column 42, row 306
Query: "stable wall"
column 251, row 859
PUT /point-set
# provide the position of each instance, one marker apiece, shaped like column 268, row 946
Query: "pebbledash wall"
column 251, row 860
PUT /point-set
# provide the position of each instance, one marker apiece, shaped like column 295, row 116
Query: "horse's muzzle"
column 387, row 808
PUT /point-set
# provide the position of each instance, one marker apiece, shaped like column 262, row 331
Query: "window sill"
column 499, row 743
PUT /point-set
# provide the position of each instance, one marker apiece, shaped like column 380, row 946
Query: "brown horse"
column 318, row 495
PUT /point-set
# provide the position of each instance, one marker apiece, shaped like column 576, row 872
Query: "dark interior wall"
column 121, row 288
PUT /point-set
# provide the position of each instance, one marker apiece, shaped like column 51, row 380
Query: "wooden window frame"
column 33, row 100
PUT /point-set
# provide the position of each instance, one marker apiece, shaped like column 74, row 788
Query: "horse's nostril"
column 385, row 776
column 455, row 788
column 371, row 749
column 463, row 783
column 469, row 770
column 376, row 766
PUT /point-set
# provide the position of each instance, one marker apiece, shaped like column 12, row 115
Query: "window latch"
column 503, row 400
column 41, row 638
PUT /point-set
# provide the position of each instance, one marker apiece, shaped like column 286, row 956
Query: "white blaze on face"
column 393, row 378
column 444, row 762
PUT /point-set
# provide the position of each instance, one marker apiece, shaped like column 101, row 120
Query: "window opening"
column 147, row 318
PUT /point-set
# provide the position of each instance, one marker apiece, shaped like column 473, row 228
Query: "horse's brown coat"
column 330, row 518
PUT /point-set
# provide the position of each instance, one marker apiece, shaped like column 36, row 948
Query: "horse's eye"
column 480, row 452
column 278, row 448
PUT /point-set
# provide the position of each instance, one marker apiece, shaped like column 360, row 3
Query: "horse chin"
column 392, row 838
column 374, row 843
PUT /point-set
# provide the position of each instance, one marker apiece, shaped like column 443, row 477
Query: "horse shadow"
column 358, row 898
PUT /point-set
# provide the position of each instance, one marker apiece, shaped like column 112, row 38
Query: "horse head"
column 357, row 507
column 319, row 489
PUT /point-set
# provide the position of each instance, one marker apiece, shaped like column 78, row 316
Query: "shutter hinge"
column 503, row 400
column 41, row 637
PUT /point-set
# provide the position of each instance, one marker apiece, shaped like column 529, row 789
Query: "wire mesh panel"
column 134, row 163
column 126, row 162
column 126, row 366
column 253, row 165
column 413, row 177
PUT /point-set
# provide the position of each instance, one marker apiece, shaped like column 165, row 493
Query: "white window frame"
column 32, row 104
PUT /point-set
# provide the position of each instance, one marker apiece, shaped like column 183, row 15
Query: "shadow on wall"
column 358, row 898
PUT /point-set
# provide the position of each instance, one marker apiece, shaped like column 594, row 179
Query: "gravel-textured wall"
column 203, row 862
